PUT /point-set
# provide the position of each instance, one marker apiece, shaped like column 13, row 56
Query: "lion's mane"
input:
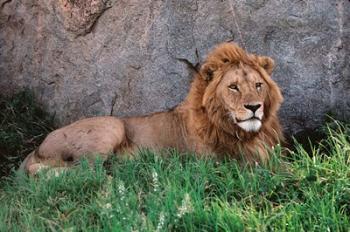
column 209, row 120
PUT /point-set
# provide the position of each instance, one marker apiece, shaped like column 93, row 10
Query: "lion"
column 230, row 111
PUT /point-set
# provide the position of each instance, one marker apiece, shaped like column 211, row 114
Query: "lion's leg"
column 90, row 138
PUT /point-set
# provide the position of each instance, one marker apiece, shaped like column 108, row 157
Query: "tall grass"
column 299, row 191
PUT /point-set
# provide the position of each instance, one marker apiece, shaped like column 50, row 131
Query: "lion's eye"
column 258, row 86
column 233, row 87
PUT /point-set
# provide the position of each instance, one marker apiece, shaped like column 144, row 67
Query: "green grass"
column 300, row 192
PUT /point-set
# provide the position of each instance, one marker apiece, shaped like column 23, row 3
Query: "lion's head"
column 238, row 95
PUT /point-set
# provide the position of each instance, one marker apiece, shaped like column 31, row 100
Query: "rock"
column 125, row 58
column 79, row 16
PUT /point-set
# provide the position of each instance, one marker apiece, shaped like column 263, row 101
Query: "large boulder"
column 125, row 58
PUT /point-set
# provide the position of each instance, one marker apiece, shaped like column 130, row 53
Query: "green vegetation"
column 298, row 190
column 23, row 125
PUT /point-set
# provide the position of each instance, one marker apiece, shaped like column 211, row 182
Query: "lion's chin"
column 252, row 125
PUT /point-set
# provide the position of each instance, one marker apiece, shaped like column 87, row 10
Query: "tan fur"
column 213, row 119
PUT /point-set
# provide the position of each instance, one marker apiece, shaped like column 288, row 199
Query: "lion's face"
column 242, row 92
column 239, row 94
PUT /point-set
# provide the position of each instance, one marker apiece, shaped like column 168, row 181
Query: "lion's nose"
column 252, row 107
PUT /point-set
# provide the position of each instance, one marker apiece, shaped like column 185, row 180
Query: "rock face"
column 125, row 58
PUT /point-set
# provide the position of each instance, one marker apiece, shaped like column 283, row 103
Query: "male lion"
column 231, row 110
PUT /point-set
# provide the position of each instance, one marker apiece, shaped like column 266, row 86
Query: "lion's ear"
column 266, row 63
column 207, row 71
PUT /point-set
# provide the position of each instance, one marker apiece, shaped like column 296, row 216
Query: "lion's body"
column 208, row 122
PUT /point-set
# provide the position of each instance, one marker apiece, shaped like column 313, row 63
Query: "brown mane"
column 209, row 119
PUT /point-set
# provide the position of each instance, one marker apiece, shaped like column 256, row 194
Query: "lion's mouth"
column 252, row 124
column 248, row 119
